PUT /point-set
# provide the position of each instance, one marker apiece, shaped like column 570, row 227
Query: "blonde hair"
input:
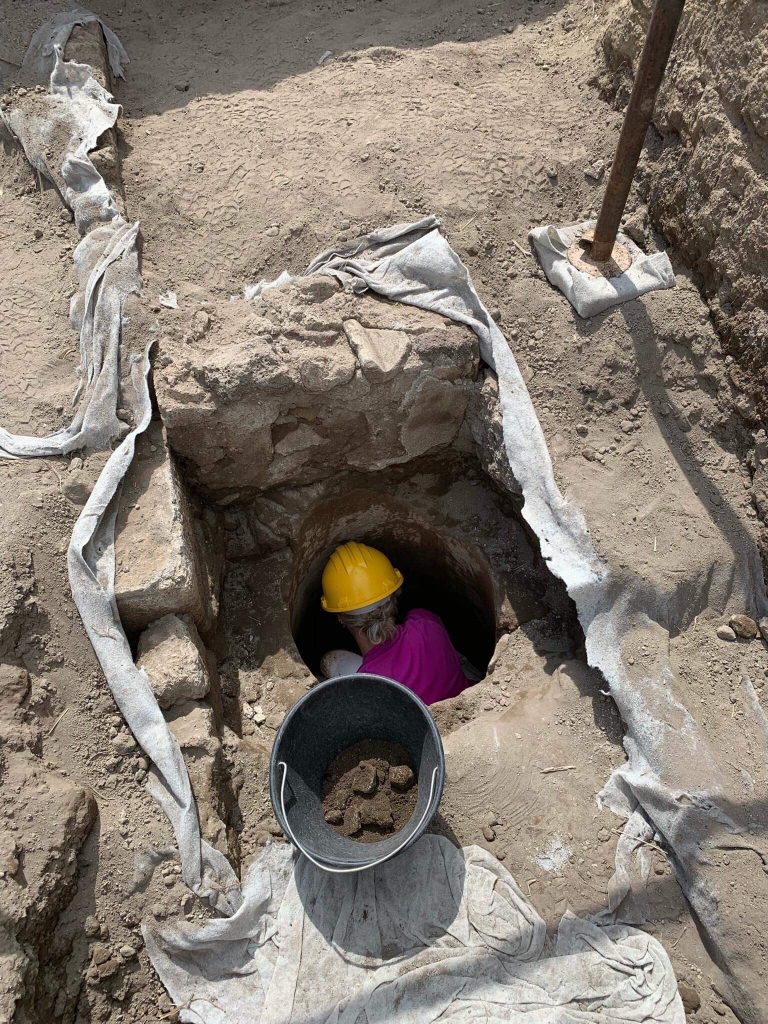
column 378, row 624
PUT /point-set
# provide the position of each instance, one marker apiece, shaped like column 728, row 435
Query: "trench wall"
column 707, row 188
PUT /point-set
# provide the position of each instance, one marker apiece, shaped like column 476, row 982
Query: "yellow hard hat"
column 356, row 577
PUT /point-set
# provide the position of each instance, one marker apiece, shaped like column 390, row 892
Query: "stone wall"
column 706, row 176
column 308, row 381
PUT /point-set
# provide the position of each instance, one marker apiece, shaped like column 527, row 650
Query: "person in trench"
column 361, row 586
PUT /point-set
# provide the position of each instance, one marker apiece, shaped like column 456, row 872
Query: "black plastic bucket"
column 331, row 717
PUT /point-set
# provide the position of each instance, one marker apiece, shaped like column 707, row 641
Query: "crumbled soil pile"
column 370, row 790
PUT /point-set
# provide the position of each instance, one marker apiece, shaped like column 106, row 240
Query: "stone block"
column 172, row 654
column 381, row 353
column 431, row 415
column 159, row 568
column 192, row 724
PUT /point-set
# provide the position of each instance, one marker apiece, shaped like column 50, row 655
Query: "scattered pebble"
column 366, row 780
column 743, row 626
column 689, row 996
column 489, row 833
column 763, row 627
column 725, row 633
column 100, row 953
column 594, row 172
column 401, row 777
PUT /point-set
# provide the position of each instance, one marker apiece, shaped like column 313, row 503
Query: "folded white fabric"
column 436, row 933
column 591, row 295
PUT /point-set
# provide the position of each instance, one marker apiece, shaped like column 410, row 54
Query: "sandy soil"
column 242, row 155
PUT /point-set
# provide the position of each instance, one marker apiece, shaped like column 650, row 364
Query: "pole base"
column 579, row 255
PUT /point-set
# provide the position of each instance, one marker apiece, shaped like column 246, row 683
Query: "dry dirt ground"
column 243, row 154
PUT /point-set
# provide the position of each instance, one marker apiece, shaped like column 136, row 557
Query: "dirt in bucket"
column 370, row 790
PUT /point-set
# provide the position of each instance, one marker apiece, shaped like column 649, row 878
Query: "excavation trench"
column 458, row 540
column 351, row 418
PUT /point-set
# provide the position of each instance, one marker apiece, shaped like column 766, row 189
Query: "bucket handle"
column 363, row 867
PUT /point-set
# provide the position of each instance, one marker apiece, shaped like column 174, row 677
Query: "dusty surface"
column 370, row 791
column 242, row 156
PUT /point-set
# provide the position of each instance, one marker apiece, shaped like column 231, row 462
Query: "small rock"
column 763, row 627
column 595, row 171
column 91, row 926
column 489, row 833
column 582, row 430
column 377, row 812
column 123, row 743
column 272, row 232
column 76, row 486
column 258, row 715
column 401, row 777
column 604, row 835
column 689, row 997
column 334, row 816
column 634, row 226
column 128, row 952
column 725, row 633
column 109, row 967
column 352, row 821
column 100, row 953
column 201, row 324
column 365, row 780
column 181, row 86
column 158, row 911
column 743, row 626
column 626, row 426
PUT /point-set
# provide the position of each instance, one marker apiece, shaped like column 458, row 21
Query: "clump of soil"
column 370, row 790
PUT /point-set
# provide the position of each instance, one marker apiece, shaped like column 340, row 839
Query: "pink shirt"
column 421, row 657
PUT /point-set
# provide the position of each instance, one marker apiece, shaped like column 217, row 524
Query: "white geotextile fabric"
column 436, row 934
column 67, row 121
column 40, row 54
column 591, row 295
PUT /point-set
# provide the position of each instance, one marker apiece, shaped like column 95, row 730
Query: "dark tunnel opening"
column 444, row 575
